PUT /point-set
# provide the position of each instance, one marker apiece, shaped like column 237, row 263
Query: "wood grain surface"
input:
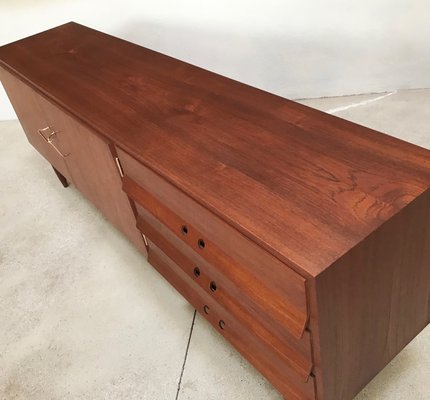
column 282, row 291
column 255, row 302
column 30, row 108
column 305, row 185
column 311, row 234
column 266, row 359
column 86, row 159
column 372, row 302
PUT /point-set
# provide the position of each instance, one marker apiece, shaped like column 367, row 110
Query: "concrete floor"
column 83, row 316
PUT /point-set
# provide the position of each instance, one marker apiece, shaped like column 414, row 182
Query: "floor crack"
column 186, row 355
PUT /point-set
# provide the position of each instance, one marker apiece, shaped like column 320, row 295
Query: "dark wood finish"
column 264, row 358
column 281, row 292
column 328, row 182
column 86, row 159
column 373, row 301
column 236, row 291
column 310, row 234
column 29, row 106
column 94, row 172
column 61, row 178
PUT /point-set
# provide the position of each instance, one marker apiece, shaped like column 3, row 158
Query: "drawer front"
column 295, row 353
column 33, row 112
column 275, row 290
column 263, row 357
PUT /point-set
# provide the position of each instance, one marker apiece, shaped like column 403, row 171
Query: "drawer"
column 296, row 353
column 231, row 293
column 274, row 289
column 262, row 299
column 34, row 114
column 263, row 357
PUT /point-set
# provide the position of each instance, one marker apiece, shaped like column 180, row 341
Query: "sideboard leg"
column 62, row 179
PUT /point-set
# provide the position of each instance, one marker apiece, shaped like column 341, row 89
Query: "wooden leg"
column 62, row 179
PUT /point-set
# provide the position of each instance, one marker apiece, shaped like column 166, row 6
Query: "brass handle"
column 50, row 139
column 145, row 240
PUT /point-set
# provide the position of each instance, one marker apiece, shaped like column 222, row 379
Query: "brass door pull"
column 50, row 138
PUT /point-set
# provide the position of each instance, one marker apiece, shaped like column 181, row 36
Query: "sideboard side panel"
column 373, row 301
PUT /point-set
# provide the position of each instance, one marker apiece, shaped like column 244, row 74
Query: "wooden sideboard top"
column 305, row 185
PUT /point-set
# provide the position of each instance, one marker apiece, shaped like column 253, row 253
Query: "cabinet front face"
column 76, row 152
column 95, row 173
column 30, row 109
column 255, row 301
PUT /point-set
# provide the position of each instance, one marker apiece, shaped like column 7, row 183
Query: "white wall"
column 295, row 48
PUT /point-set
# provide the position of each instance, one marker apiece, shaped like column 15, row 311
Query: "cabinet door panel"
column 81, row 156
column 94, row 172
column 29, row 107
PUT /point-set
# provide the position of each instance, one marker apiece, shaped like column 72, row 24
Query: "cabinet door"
column 94, row 171
column 29, row 107
column 81, row 156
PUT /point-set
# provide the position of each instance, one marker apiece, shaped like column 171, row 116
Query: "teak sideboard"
column 302, row 238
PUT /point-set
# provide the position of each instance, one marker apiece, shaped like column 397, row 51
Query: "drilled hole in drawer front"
column 213, row 286
column 197, row 272
column 206, row 309
column 184, row 229
column 221, row 324
column 201, row 243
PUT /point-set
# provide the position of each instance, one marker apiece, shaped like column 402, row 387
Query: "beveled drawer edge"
column 293, row 392
column 299, row 358
column 132, row 153
column 297, row 323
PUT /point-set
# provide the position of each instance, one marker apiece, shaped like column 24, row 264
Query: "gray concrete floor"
column 83, row 316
